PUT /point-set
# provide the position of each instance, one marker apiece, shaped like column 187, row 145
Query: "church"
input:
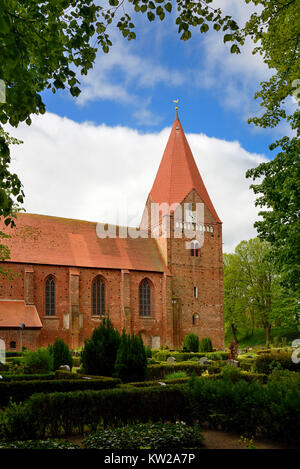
column 162, row 279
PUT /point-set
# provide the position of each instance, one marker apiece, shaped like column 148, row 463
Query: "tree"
column 48, row 44
column 256, row 279
column 205, row 345
column 100, row 351
column 131, row 361
column 275, row 30
column 279, row 196
column 61, row 353
column 191, row 343
column 235, row 298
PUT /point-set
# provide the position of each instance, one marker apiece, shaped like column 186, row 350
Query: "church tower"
column 181, row 217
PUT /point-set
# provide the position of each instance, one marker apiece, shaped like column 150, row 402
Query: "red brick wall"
column 73, row 320
column 173, row 304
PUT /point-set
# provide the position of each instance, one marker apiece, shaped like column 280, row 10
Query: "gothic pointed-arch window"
column 145, row 298
column 50, row 296
column 194, row 248
column 98, row 297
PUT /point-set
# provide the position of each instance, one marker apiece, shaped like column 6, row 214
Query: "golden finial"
column 176, row 108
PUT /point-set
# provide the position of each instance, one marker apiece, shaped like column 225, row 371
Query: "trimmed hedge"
column 163, row 355
column 62, row 374
column 264, row 363
column 146, row 384
column 271, row 410
column 30, row 377
column 13, row 354
column 250, row 409
column 59, row 413
column 39, row 444
column 160, row 371
column 21, row 390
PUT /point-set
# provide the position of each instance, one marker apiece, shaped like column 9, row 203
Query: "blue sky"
column 88, row 156
column 135, row 84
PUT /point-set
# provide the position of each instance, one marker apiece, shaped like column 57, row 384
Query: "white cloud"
column 120, row 75
column 86, row 172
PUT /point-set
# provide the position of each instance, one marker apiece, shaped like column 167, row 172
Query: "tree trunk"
column 268, row 333
column 234, row 331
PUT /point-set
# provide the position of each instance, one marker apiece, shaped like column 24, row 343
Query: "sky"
column 88, row 156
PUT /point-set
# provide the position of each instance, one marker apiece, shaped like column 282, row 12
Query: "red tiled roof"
column 41, row 239
column 15, row 312
column 178, row 174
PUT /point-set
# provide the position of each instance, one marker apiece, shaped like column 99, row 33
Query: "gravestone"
column 233, row 362
column 64, row 367
column 204, row 360
column 171, row 360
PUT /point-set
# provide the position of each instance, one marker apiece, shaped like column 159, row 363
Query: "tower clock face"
column 190, row 216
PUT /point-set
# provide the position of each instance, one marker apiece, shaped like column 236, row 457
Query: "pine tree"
column 61, row 354
column 131, row 362
column 100, row 351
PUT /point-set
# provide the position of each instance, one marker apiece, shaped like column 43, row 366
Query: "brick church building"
column 164, row 281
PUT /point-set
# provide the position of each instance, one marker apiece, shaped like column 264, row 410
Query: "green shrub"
column 248, row 408
column 13, row 354
column 148, row 351
column 100, row 351
column 160, row 371
column 16, row 423
column 264, row 363
column 131, row 361
column 39, row 361
column 30, row 377
column 21, row 390
column 176, row 375
column 145, row 384
column 39, row 444
column 59, row 413
column 230, row 372
column 159, row 436
column 61, row 354
column 163, row 355
column 76, row 361
column 205, row 345
column 191, row 343
column 62, row 374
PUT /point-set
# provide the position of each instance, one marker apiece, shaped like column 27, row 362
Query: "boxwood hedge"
column 20, row 390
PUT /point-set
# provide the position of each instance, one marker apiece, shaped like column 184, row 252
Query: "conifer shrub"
column 61, row 353
column 100, row 351
column 131, row 361
column 191, row 343
column 205, row 345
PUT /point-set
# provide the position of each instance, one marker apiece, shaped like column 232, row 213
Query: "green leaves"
column 279, row 199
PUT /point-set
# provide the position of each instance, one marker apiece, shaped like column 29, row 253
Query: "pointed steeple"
column 178, row 174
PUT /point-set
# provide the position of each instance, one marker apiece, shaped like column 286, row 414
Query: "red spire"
column 178, row 174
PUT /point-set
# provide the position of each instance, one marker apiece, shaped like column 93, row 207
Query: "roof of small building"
column 42, row 239
column 13, row 313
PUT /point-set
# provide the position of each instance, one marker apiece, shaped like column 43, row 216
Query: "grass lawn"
column 259, row 338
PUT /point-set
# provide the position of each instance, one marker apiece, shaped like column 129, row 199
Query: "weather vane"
column 176, row 108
